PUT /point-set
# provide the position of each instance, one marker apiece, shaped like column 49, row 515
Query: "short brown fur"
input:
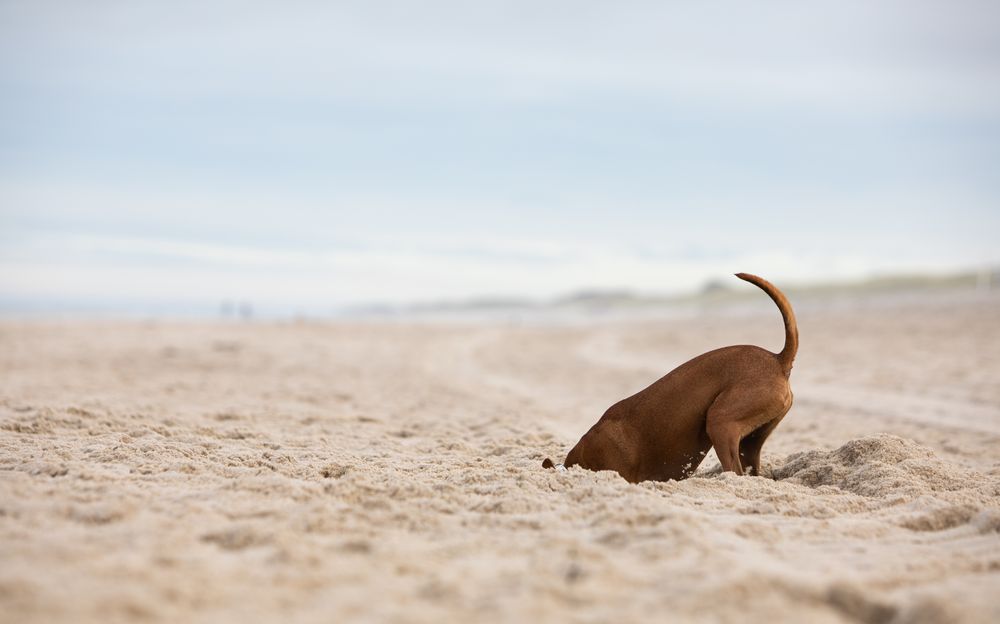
column 730, row 398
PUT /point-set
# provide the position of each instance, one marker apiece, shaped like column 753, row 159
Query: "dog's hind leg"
column 751, row 445
column 725, row 438
column 725, row 423
column 735, row 414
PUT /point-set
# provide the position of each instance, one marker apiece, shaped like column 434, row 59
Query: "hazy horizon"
column 314, row 156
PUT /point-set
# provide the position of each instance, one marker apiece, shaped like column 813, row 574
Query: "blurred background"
column 303, row 158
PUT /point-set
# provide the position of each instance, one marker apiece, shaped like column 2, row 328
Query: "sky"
column 304, row 156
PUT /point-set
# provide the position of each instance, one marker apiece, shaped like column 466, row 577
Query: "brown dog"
column 731, row 398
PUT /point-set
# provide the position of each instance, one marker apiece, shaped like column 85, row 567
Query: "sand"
column 390, row 472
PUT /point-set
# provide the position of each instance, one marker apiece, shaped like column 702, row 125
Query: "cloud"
column 70, row 267
column 887, row 57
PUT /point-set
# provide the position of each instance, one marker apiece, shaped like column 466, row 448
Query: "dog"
column 730, row 398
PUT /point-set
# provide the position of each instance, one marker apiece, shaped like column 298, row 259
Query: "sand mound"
column 892, row 471
column 879, row 466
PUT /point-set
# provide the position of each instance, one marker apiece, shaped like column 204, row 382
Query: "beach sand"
column 391, row 472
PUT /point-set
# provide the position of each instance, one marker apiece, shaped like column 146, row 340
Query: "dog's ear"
column 548, row 463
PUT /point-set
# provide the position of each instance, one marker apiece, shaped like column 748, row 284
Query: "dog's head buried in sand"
column 731, row 398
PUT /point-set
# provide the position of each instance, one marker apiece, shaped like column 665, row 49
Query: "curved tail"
column 787, row 354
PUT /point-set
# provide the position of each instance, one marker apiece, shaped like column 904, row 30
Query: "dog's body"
column 731, row 398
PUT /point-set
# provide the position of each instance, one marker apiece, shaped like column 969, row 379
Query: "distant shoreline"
column 580, row 305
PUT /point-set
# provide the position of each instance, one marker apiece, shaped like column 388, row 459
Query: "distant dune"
column 715, row 292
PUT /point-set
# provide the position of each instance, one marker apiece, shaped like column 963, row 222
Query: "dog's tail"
column 787, row 354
